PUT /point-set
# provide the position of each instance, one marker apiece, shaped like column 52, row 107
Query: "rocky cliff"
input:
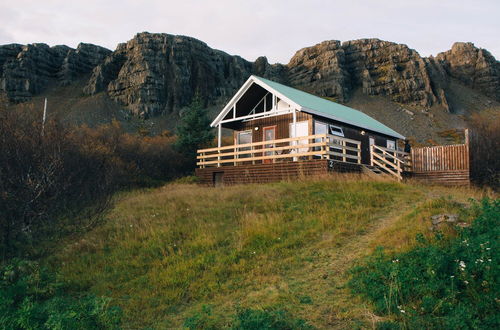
column 161, row 73
column 27, row 70
column 155, row 73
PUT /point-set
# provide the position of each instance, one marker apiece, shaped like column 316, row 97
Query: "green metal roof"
column 319, row 106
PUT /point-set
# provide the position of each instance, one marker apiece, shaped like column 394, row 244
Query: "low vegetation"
column 184, row 256
column 32, row 298
column 485, row 148
column 446, row 283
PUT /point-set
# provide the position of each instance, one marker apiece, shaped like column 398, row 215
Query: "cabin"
column 280, row 132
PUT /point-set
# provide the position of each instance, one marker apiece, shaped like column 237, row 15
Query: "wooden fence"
column 442, row 164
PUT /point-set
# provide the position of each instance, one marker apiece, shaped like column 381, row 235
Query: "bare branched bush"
column 485, row 148
column 62, row 178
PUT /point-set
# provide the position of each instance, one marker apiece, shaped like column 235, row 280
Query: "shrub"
column 70, row 173
column 485, row 148
column 268, row 319
column 31, row 298
column 194, row 129
column 45, row 177
column 450, row 283
column 247, row 319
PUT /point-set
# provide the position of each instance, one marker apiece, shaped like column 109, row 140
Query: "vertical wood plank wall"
column 442, row 164
column 281, row 122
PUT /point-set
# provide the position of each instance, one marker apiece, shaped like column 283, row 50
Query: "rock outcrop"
column 474, row 67
column 161, row 73
column 158, row 73
column 378, row 67
column 321, row 70
column 27, row 70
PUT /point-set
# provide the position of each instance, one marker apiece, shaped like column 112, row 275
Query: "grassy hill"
column 184, row 252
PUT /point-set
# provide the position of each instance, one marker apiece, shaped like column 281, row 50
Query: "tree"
column 193, row 131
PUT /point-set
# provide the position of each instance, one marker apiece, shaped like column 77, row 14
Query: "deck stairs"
column 375, row 172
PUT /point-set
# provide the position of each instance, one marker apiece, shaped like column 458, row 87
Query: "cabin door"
column 269, row 135
column 302, row 130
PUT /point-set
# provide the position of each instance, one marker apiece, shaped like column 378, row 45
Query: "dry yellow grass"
column 163, row 253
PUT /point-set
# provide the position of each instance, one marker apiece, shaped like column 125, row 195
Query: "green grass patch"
column 280, row 249
column 447, row 283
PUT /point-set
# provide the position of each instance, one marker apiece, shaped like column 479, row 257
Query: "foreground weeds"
column 278, row 248
column 447, row 283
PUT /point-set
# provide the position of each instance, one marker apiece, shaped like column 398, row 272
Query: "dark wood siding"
column 282, row 130
column 281, row 122
column 354, row 133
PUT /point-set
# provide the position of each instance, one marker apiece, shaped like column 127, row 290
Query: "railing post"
column 344, row 151
column 253, row 155
column 371, row 154
column 326, row 147
column 359, row 152
column 218, row 158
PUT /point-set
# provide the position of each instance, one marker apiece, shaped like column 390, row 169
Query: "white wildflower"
column 466, row 282
column 462, row 265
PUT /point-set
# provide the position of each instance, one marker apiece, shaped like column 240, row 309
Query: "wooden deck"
column 281, row 159
column 273, row 172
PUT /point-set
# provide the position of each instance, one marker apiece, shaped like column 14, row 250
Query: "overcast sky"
column 276, row 29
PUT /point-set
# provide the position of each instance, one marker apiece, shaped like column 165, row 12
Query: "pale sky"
column 276, row 29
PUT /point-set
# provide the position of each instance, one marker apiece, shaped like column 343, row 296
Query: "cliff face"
column 378, row 67
column 161, row 73
column 474, row 67
column 27, row 70
column 155, row 73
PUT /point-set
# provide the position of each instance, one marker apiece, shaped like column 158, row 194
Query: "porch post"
column 219, row 142
column 294, row 127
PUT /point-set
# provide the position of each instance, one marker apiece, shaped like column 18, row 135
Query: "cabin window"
column 335, row 130
column 244, row 137
column 320, row 128
column 391, row 144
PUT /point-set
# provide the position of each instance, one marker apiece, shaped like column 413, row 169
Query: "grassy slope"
column 165, row 252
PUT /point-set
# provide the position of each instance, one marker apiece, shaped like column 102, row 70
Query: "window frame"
column 393, row 144
column 332, row 132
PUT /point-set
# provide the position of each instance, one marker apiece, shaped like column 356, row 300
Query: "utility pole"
column 44, row 115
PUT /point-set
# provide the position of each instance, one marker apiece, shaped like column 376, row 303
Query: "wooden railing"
column 393, row 162
column 324, row 146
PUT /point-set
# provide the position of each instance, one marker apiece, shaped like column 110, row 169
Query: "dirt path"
column 326, row 278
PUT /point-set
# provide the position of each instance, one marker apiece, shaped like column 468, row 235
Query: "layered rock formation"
column 27, row 70
column 157, row 73
column 161, row 73
column 474, row 67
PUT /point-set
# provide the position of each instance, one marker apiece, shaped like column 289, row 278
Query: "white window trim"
column 245, row 131
column 387, row 144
